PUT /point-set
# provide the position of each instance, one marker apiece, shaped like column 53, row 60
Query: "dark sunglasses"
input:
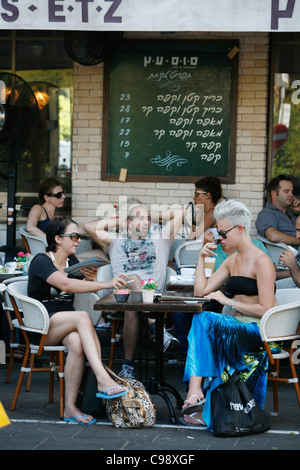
column 57, row 195
column 74, row 236
column 224, row 234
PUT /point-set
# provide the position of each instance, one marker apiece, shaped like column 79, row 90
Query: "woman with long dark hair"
column 51, row 197
column 49, row 284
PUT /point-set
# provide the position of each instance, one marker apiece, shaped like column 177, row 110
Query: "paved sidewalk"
column 35, row 424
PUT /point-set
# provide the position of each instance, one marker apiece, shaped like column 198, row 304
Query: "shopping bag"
column 133, row 410
column 234, row 410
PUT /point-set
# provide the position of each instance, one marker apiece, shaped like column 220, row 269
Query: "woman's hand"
column 207, row 250
column 117, row 282
column 89, row 273
column 208, row 237
column 219, row 297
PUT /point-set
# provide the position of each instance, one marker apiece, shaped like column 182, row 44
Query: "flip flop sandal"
column 195, row 407
column 75, row 420
column 106, row 396
column 185, row 423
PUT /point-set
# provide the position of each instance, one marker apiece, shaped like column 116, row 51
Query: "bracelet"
column 233, row 304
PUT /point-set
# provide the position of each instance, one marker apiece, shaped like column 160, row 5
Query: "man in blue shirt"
column 274, row 222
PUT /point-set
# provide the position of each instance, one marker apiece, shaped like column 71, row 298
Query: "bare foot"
column 194, row 395
column 195, row 418
column 81, row 417
column 110, row 386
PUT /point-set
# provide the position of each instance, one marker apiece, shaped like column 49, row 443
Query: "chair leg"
column 10, row 364
column 20, row 380
column 60, row 357
column 51, row 377
column 29, row 376
column 275, row 386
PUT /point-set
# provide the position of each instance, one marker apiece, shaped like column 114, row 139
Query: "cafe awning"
column 151, row 15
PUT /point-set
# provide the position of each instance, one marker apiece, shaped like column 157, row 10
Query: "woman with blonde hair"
column 220, row 343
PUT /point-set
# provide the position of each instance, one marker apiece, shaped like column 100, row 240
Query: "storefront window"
column 50, row 152
column 285, row 153
column 40, row 59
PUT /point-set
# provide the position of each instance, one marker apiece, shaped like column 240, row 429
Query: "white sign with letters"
column 151, row 15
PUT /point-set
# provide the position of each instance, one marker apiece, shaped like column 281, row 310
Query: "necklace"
column 54, row 261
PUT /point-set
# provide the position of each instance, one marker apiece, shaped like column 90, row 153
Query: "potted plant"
column 148, row 289
column 21, row 259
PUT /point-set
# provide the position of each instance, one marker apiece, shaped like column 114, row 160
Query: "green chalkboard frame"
column 109, row 134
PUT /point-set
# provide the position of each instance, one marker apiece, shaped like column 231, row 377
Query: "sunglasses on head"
column 74, row 236
column 224, row 234
column 57, row 195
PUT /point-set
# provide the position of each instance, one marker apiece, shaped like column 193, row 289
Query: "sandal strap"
column 188, row 401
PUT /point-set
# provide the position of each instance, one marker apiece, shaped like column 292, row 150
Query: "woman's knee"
column 73, row 342
column 84, row 317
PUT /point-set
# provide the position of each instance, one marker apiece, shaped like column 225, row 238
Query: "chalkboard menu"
column 170, row 111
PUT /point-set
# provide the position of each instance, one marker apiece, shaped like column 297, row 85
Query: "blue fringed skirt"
column 219, row 342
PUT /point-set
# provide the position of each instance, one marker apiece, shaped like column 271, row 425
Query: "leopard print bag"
column 133, row 410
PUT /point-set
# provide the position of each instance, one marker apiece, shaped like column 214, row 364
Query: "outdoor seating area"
column 162, row 373
column 149, row 228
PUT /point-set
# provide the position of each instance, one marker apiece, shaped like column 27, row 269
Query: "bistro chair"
column 274, row 249
column 13, row 324
column 187, row 253
column 280, row 324
column 287, row 296
column 33, row 243
column 35, row 319
column 85, row 301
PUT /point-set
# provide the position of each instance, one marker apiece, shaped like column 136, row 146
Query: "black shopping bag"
column 235, row 411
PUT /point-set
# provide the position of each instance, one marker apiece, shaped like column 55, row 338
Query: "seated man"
column 288, row 258
column 142, row 249
column 274, row 221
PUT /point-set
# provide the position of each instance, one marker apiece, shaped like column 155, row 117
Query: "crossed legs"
column 76, row 331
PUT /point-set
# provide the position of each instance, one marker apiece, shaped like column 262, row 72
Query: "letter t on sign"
column 276, row 13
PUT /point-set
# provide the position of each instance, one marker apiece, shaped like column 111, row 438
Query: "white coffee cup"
column 187, row 272
column 293, row 250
